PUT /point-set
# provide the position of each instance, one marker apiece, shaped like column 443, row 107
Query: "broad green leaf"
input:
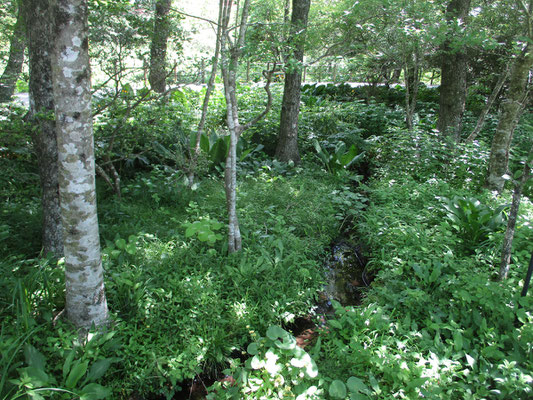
column 121, row 244
column 94, row 391
column 355, row 384
column 68, row 363
column 252, row 349
column 37, row 376
column 131, row 248
column 337, row 389
column 76, row 374
column 274, row 332
column 99, row 368
column 33, row 357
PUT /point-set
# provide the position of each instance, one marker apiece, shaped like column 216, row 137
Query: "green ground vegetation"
column 435, row 323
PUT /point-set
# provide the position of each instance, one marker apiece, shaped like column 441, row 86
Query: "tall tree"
column 85, row 296
column 158, row 49
column 13, row 67
column 453, row 72
column 512, row 106
column 231, row 51
column 287, row 148
column 39, row 32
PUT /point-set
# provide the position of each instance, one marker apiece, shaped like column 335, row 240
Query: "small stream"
column 346, row 276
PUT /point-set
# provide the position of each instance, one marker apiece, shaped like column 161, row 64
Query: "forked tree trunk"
column 453, row 76
column 158, row 49
column 17, row 44
column 488, row 105
column 38, row 13
column 510, row 111
column 231, row 53
column 85, row 296
column 287, row 148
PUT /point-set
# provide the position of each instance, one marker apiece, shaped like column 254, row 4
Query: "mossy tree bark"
column 85, row 296
column 453, row 73
column 287, row 148
column 39, row 32
column 158, row 49
column 510, row 111
column 17, row 44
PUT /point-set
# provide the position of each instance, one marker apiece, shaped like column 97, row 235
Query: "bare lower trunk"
column 510, row 112
column 39, row 32
column 412, row 80
column 287, row 148
column 9, row 77
column 513, row 213
column 453, row 75
column 231, row 52
column 158, row 49
column 488, row 105
column 85, row 296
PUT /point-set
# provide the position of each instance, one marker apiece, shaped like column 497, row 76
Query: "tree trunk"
column 488, row 106
column 158, row 49
column 85, row 296
column 453, row 75
column 513, row 214
column 230, row 54
column 510, row 111
column 287, row 148
column 39, row 32
column 412, row 80
column 8, row 80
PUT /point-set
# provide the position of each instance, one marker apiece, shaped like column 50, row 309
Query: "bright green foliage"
column 472, row 220
column 205, row 229
column 340, row 158
column 277, row 369
column 78, row 377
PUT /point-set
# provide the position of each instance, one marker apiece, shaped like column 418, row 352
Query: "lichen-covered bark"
column 510, row 111
column 453, row 76
column 39, row 33
column 287, row 148
column 13, row 67
column 513, row 214
column 158, row 49
column 85, row 296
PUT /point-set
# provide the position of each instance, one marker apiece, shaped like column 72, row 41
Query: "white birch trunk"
column 85, row 296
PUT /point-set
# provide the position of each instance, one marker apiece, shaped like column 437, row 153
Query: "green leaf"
column 37, row 377
column 94, row 391
column 355, row 384
column 252, row 349
column 457, row 341
column 337, row 389
column 33, row 357
column 131, row 248
column 335, row 324
column 76, row 374
column 121, row 244
column 99, row 368
column 274, row 332
column 68, row 363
